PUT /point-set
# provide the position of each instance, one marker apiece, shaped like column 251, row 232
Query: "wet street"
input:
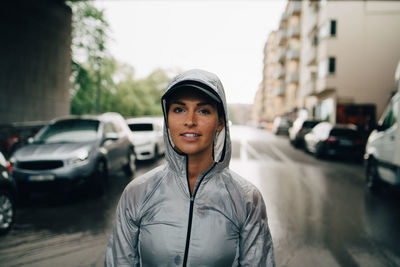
column 319, row 213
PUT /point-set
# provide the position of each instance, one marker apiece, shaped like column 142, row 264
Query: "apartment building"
column 350, row 51
column 281, row 66
column 334, row 52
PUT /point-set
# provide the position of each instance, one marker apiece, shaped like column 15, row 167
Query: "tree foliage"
column 99, row 82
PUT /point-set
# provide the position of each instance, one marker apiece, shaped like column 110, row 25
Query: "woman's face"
column 193, row 122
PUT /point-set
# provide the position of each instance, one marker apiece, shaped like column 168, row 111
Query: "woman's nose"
column 190, row 119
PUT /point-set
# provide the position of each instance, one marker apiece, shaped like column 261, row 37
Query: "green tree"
column 95, row 73
column 89, row 38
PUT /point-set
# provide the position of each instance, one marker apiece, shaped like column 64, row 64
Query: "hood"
column 55, row 151
column 222, row 142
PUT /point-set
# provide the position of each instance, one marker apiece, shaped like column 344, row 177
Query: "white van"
column 382, row 152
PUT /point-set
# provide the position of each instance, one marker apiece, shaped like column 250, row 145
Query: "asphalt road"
column 319, row 213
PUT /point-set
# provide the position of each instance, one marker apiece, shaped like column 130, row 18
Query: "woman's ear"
column 221, row 123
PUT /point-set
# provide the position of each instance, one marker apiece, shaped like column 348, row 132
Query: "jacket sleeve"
column 255, row 244
column 122, row 249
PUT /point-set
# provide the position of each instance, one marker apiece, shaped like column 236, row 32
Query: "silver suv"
column 75, row 151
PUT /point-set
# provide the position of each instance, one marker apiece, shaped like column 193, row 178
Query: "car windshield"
column 344, row 133
column 140, row 127
column 310, row 124
column 69, row 131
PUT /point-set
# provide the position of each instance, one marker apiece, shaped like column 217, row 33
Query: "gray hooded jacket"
column 159, row 222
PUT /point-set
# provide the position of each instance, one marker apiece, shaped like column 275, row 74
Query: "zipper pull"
column 191, row 198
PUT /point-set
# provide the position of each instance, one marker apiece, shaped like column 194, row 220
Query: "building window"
column 331, row 65
column 324, row 110
column 327, row 67
column 333, row 28
column 328, row 29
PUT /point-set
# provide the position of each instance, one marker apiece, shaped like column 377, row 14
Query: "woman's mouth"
column 190, row 135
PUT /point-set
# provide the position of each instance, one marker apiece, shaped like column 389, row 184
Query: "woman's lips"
column 190, row 136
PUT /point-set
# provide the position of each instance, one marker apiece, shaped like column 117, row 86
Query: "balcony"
column 281, row 39
column 294, row 8
column 293, row 54
column 309, row 88
column 281, row 55
column 284, row 16
column 280, row 90
column 292, row 78
column 311, row 57
column 293, row 32
column 280, row 73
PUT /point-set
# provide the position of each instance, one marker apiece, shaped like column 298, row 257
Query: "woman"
column 194, row 211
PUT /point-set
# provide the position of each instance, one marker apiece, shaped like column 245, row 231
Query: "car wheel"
column 99, row 180
column 156, row 153
column 130, row 167
column 372, row 177
column 319, row 151
column 7, row 212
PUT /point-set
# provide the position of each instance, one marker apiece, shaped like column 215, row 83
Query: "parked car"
column 326, row 139
column 281, row 126
column 147, row 137
column 15, row 135
column 299, row 129
column 8, row 195
column 382, row 153
column 75, row 151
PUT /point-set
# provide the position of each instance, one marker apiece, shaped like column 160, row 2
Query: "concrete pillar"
column 35, row 60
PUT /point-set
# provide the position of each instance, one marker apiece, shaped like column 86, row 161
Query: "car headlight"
column 81, row 157
column 13, row 162
column 4, row 174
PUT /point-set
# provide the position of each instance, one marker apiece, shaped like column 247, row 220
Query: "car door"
column 385, row 142
column 111, row 144
column 388, row 137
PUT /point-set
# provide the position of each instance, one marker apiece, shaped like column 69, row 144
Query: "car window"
column 69, row 131
column 389, row 118
column 396, row 108
column 108, row 128
column 117, row 127
column 310, row 124
column 340, row 132
column 140, row 127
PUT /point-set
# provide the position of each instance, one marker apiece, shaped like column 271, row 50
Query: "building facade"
column 333, row 52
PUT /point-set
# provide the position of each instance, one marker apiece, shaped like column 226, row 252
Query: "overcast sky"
column 224, row 37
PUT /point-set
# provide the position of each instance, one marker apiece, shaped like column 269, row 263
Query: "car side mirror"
column 380, row 128
column 110, row 137
column 30, row 140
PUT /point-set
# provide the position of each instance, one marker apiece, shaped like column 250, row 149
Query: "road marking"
column 246, row 149
column 280, row 154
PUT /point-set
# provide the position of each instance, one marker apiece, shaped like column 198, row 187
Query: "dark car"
column 74, row 152
column 326, row 139
column 281, row 126
column 8, row 195
column 299, row 129
column 15, row 135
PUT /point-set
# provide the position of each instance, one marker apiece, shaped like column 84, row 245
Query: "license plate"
column 41, row 177
column 346, row 142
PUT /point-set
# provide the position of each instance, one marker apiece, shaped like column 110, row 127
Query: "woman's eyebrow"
column 178, row 102
column 204, row 104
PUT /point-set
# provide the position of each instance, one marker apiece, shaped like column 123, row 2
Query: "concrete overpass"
column 35, row 60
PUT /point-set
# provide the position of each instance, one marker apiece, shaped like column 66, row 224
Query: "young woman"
column 194, row 211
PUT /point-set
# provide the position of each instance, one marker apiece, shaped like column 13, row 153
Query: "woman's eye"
column 177, row 110
column 205, row 111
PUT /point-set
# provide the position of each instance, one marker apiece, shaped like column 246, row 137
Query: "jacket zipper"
column 192, row 196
